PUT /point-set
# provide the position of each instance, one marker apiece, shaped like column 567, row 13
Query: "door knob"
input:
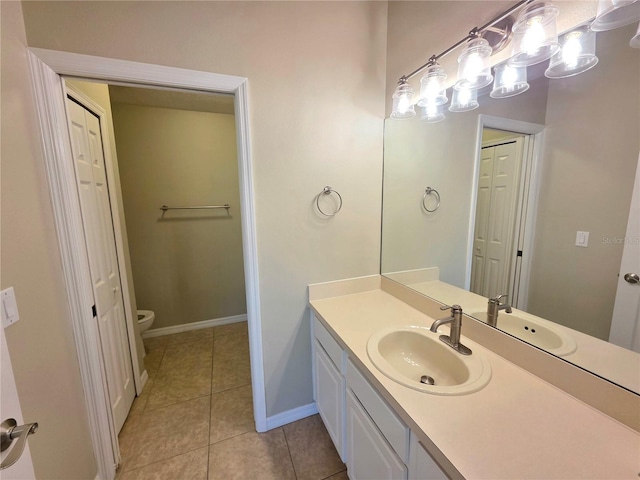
column 10, row 431
column 632, row 278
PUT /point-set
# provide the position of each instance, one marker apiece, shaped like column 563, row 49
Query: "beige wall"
column 316, row 75
column 187, row 265
column 99, row 93
column 41, row 343
column 592, row 138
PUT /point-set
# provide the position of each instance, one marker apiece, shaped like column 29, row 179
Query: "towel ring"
column 430, row 191
column 328, row 191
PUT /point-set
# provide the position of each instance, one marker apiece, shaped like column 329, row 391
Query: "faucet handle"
column 452, row 307
column 497, row 298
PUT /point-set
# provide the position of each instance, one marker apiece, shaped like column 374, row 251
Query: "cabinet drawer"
column 394, row 429
column 336, row 354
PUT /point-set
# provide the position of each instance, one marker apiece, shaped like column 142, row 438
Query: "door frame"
column 526, row 209
column 47, row 68
column 625, row 329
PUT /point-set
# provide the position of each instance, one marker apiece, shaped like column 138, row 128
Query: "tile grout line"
column 164, row 460
column 293, row 465
column 213, row 336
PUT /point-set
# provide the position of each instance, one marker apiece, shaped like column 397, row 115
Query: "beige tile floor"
column 194, row 419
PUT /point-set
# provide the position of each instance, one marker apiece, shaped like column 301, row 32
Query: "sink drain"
column 427, row 380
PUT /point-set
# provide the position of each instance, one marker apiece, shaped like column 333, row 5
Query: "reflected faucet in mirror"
column 493, row 308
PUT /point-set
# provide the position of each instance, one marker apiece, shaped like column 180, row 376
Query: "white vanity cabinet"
column 421, row 465
column 369, row 456
column 370, row 437
column 329, row 384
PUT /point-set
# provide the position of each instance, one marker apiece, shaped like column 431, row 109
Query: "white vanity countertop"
column 517, row 427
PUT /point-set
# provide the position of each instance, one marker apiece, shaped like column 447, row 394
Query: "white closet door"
column 10, row 408
column 88, row 157
column 483, row 207
column 495, row 218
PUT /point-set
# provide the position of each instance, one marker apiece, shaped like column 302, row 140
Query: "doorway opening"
column 47, row 68
column 173, row 158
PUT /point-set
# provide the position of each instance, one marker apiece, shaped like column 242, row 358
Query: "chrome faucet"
column 494, row 307
column 453, row 340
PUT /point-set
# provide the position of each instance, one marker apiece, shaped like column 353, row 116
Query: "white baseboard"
column 143, row 381
column 289, row 416
column 159, row 332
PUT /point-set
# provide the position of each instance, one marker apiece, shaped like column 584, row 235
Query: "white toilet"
column 145, row 320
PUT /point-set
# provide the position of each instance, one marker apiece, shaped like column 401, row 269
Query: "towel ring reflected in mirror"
column 428, row 192
column 328, row 191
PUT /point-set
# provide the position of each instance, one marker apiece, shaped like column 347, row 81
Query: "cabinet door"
column 369, row 456
column 330, row 387
column 421, row 465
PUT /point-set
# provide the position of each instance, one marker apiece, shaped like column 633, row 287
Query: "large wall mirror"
column 535, row 196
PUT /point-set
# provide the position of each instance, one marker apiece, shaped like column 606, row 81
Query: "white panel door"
column 495, row 218
column 625, row 326
column 483, row 207
column 88, row 157
column 10, row 407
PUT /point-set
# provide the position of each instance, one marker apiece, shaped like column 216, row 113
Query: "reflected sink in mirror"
column 407, row 355
column 536, row 332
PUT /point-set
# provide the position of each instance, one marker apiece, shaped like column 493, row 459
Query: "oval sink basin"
column 409, row 354
column 537, row 333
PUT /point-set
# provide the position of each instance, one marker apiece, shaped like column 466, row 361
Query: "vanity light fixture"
column 481, row 43
column 464, row 100
column 432, row 86
column 403, row 100
column 474, row 71
column 534, row 34
column 615, row 13
column 509, row 81
column 432, row 113
column 577, row 55
column 635, row 41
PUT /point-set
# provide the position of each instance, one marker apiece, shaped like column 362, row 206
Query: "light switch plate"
column 582, row 239
column 9, row 307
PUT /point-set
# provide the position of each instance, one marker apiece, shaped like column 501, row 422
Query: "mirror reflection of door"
column 496, row 232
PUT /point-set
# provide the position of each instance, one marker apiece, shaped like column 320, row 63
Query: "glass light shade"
column 432, row 87
column 403, row 101
column 464, row 100
column 615, row 13
column 509, row 81
column 473, row 68
column 635, row 41
column 535, row 38
column 432, row 113
column 577, row 55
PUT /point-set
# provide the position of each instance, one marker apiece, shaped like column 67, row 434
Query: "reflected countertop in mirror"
column 561, row 216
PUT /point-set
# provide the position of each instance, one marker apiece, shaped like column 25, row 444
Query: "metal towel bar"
column 164, row 208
